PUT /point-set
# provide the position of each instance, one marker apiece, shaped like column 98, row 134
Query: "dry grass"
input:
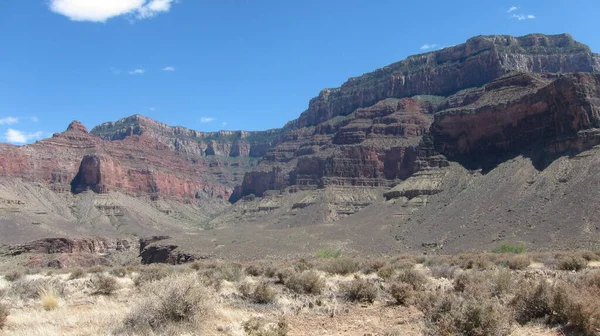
column 49, row 300
column 435, row 297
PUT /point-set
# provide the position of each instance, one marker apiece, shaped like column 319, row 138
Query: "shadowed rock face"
column 366, row 133
column 555, row 112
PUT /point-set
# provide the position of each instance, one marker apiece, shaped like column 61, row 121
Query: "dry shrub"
column 402, row 292
column 14, row 275
column 270, row 271
column 257, row 326
column 77, row 273
column 284, row 275
column 452, row 314
column 444, row 271
column 255, row 270
column 475, row 261
column 578, row 307
column 104, row 284
column 413, row 277
column 4, row 312
column 386, row 272
column 96, row 269
column 151, row 273
column 263, row 293
column 175, row 300
column 501, row 282
column 33, row 288
column 571, row 263
column 359, row 290
column 372, row 266
column 532, row 300
column 590, row 256
column 303, row 265
column 341, row 266
column 592, row 279
column 49, row 300
column 119, row 272
column 518, row 262
column 309, row 282
column 196, row 265
column 232, row 272
column 474, row 284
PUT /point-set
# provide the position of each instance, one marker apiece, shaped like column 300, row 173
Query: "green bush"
column 328, row 253
column 508, row 248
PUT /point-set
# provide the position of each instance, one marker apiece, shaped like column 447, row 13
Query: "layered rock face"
column 191, row 142
column 556, row 112
column 372, row 147
column 72, row 245
column 138, row 165
column 478, row 61
column 367, row 132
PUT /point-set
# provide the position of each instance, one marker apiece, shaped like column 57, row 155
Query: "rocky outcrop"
column 71, row 245
column 153, row 250
column 555, row 112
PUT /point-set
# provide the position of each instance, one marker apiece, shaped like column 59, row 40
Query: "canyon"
column 406, row 158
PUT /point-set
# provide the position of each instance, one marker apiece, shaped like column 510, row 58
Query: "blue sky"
column 228, row 64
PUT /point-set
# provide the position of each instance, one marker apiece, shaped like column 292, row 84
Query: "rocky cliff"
column 77, row 161
column 191, row 142
column 367, row 132
column 556, row 113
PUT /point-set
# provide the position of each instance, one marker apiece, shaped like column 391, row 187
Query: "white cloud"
column 224, row 123
column 34, row 119
column 152, row 109
column 137, row 72
column 428, row 46
column 169, row 68
column 19, row 137
column 205, row 120
column 521, row 17
column 9, row 121
column 512, row 9
column 102, row 10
